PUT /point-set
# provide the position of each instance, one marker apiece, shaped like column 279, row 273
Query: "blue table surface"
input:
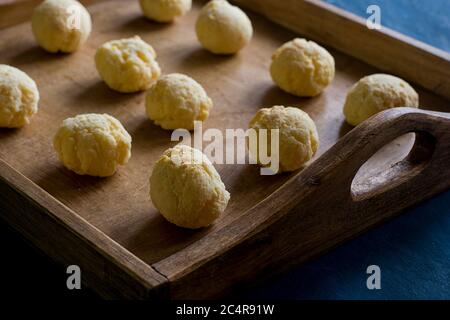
column 413, row 250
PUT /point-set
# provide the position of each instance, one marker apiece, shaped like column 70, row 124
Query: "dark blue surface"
column 413, row 250
column 425, row 20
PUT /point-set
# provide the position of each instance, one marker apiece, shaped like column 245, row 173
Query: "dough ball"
column 302, row 68
column 376, row 93
column 186, row 188
column 165, row 10
column 61, row 25
column 223, row 28
column 176, row 101
column 19, row 97
column 127, row 65
column 298, row 135
column 92, row 144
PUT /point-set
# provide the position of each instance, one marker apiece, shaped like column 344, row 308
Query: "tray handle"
column 423, row 172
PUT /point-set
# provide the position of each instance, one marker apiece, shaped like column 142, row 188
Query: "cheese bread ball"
column 127, row 65
column 298, row 135
column 19, row 97
column 376, row 93
column 302, row 68
column 176, row 101
column 165, row 10
column 61, row 25
column 223, row 28
column 92, row 144
column 186, row 188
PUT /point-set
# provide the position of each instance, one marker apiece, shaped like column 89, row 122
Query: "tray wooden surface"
column 109, row 226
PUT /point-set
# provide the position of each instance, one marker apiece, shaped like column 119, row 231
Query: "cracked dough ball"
column 302, row 68
column 61, row 25
column 186, row 188
column 375, row 93
column 223, row 28
column 298, row 135
column 127, row 65
column 165, row 10
column 19, row 97
column 176, row 101
column 92, row 144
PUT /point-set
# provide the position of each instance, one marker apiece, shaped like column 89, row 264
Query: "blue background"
column 413, row 250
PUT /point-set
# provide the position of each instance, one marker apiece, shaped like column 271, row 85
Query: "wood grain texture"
column 385, row 49
column 270, row 224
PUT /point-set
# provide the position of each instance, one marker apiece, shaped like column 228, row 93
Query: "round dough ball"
column 61, row 25
column 186, row 188
column 19, row 97
column 298, row 135
column 165, row 10
column 127, row 65
column 375, row 93
column 92, row 144
column 223, row 28
column 176, row 101
column 302, row 68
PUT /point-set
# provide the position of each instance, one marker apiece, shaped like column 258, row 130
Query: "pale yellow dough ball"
column 376, row 93
column 298, row 137
column 127, row 65
column 302, row 68
column 61, row 25
column 165, row 10
column 19, row 97
column 186, row 188
column 223, row 28
column 176, row 101
column 92, row 144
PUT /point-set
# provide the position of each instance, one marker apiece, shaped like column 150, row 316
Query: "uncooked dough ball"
column 186, row 188
column 223, row 28
column 19, row 97
column 165, row 10
column 376, row 93
column 302, row 68
column 298, row 137
column 61, row 25
column 127, row 65
column 176, row 101
column 92, row 144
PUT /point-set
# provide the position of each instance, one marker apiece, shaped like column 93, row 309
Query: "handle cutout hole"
column 392, row 165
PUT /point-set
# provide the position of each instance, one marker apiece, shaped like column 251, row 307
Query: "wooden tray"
column 110, row 228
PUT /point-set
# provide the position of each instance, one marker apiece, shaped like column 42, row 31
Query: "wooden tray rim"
column 144, row 274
